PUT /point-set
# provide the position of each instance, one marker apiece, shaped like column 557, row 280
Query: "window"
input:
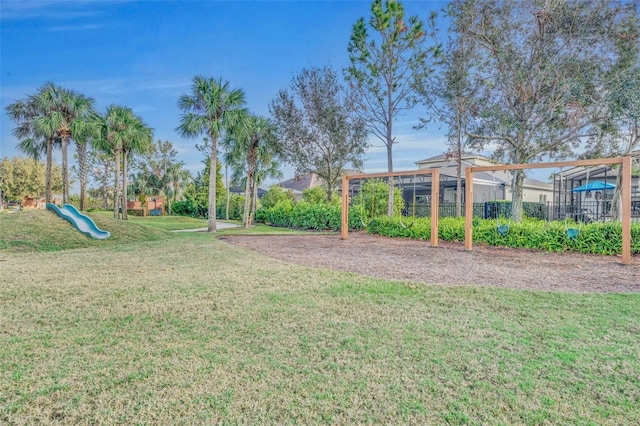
column 542, row 198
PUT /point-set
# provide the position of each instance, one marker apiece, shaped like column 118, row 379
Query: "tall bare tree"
column 384, row 68
column 449, row 96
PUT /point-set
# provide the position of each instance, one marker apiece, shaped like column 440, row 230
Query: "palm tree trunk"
column 49, row 181
column 212, row 183
column 105, row 193
column 82, row 166
column 226, row 178
column 116, row 187
column 124, row 185
column 65, row 171
column 254, row 202
column 247, row 200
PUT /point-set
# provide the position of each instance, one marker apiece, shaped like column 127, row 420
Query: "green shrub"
column 304, row 215
column 595, row 238
column 236, row 207
column 190, row 207
column 372, row 199
column 274, row 195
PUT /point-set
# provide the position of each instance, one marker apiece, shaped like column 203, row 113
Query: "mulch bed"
column 450, row 264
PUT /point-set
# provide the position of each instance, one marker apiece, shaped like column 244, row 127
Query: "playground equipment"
column 413, row 204
column 503, row 230
column 572, row 233
column 625, row 188
column 81, row 222
column 435, row 196
column 362, row 207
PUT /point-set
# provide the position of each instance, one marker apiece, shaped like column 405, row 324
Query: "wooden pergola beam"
column 576, row 163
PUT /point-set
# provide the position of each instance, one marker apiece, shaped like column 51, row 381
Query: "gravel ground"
column 450, row 264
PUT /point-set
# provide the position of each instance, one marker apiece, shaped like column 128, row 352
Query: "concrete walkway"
column 219, row 226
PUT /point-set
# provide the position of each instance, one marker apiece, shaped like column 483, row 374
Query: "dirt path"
column 402, row 259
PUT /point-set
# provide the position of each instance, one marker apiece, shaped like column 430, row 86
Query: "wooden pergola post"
column 344, row 227
column 626, row 210
column 468, row 209
column 435, row 206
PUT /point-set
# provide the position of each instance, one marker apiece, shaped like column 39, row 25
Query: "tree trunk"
column 211, row 226
column 65, row 171
column 116, row 188
column 226, row 178
column 124, row 184
column 247, row 200
column 458, row 173
column 458, row 190
column 105, row 192
column 254, row 202
column 82, row 166
column 516, row 195
column 391, row 185
column 390, row 152
column 330, row 189
column 616, row 202
column 49, row 181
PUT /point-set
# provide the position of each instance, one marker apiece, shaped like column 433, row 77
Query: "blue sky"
column 144, row 55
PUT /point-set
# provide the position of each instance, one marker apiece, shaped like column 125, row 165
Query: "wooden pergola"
column 435, row 196
column 625, row 162
column 625, row 188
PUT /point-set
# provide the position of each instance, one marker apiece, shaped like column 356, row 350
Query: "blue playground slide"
column 80, row 221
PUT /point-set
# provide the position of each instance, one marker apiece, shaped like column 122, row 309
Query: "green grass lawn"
column 167, row 223
column 174, row 223
column 184, row 328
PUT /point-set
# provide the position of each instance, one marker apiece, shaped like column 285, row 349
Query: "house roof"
column 448, row 167
column 308, row 180
column 240, row 190
column 301, row 182
column 448, row 157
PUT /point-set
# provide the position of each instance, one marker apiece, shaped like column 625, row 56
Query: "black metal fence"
column 587, row 211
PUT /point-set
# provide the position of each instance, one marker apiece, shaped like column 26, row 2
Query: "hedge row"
column 594, row 238
column 305, row 215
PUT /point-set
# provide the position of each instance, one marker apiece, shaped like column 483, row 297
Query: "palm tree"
column 122, row 132
column 211, row 108
column 83, row 141
column 36, row 137
column 140, row 140
column 69, row 113
column 267, row 169
column 252, row 141
column 178, row 180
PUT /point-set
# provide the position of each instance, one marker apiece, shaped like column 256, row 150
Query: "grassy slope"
column 191, row 328
column 42, row 230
